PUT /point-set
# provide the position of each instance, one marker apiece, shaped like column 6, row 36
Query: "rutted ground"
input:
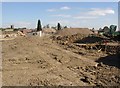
column 37, row 61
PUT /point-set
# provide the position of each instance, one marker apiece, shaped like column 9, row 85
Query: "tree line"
column 39, row 26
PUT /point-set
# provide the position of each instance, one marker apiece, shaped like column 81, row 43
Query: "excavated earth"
column 43, row 61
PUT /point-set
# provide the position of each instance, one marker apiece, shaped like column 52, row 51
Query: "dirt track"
column 41, row 61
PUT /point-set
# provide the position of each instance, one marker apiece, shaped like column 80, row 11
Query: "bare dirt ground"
column 41, row 61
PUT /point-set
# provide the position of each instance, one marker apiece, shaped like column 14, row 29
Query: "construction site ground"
column 43, row 61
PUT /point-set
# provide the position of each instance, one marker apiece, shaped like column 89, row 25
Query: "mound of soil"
column 73, row 31
column 90, row 39
column 49, row 30
column 68, row 38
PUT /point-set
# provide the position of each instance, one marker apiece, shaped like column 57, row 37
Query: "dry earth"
column 40, row 61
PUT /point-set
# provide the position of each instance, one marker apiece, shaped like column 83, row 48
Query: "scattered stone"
column 85, row 79
column 78, row 67
column 55, row 58
column 100, row 64
column 59, row 61
column 26, row 58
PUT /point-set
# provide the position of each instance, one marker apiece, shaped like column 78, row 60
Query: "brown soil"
column 36, row 61
column 73, row 31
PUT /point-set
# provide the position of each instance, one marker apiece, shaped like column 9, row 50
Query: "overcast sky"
column 73, row 14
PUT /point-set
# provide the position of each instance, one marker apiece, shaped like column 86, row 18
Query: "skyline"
column 73, row 14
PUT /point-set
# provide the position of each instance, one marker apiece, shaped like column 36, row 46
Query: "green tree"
column 39, row 27
column 58, row 26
